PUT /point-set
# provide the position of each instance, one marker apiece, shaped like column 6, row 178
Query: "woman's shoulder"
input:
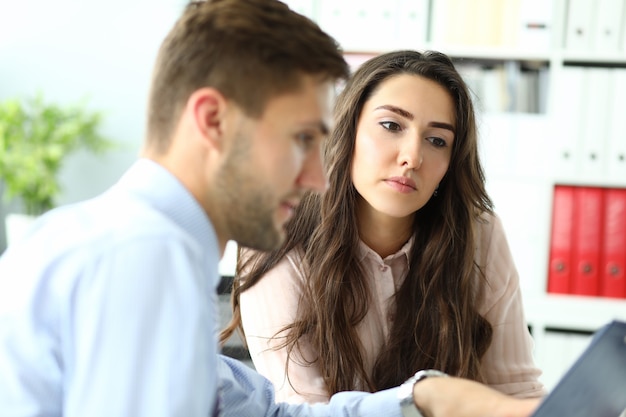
column 488, row 226
column 286, row 273
column 498, row 270
column 493, row 253
column 295, row 260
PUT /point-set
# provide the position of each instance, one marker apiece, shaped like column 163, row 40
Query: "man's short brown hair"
column 249, row 50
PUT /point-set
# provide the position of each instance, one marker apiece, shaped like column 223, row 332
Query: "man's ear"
column 207, row 107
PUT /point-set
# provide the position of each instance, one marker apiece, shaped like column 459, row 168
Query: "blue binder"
column 595, row 386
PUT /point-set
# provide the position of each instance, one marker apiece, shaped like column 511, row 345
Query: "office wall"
column 71, row 50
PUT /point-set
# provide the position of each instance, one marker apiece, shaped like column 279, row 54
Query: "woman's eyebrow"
column 442, row 125
column 396, row 110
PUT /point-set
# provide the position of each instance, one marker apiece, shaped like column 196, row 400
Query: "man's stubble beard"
column 249, row 201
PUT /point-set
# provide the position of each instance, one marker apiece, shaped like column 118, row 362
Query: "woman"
column 402, row 264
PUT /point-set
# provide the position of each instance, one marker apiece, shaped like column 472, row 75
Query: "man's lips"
column 288, row 207
column 291, row 203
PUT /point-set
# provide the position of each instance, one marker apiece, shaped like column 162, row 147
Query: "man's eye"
column 393, row 126
column 305, row 139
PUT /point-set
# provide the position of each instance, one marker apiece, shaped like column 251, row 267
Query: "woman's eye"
column 438, row 142
column 391, row 126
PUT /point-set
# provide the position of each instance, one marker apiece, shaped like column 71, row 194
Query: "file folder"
column 613, row 264
column 535, row 24
column 569, row 121
column 579, row 25
column 595, row 386
column 560, row 262
column 607, row 25
column 597, row 95
column 588, row 211
column 616, row 152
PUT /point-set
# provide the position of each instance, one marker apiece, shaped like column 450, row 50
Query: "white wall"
column 102, row 51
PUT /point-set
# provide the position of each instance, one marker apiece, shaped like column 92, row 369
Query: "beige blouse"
column 271, row 304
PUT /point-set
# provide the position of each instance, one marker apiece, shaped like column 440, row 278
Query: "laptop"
column 595, row 386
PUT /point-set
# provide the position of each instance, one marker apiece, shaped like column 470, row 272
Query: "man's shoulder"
column 86, row 229
column 103, row 219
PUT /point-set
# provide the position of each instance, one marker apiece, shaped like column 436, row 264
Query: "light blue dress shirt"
column 108, row 308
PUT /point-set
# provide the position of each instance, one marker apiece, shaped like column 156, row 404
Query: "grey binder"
column 595, row 386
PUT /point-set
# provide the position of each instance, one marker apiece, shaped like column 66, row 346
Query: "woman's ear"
column 207, row 107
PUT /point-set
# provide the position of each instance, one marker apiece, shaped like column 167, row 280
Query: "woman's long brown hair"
column 437, row 324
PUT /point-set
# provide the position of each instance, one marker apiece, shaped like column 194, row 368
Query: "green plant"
column 35, row 139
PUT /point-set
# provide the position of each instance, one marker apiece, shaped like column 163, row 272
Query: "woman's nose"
column 411, row 155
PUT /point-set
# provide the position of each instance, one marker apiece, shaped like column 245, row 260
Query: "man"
column 109, row 307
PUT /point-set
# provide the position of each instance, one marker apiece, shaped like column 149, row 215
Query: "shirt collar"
column 157, row 186
column 365, row 250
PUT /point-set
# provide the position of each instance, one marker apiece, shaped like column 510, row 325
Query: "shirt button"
column 384, row 268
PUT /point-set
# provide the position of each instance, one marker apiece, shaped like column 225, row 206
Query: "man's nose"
column 313, row 176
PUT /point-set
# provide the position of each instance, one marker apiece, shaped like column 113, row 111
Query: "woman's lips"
column 402, row 184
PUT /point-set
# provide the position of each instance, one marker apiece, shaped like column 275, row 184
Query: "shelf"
column 493, row 53
column 590, row 182
column 471, row 53
column 606, row 59
column 573, row 312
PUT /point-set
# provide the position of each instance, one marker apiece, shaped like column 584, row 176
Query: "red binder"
column 588, row 222
column 613, row 257
column 560, row 264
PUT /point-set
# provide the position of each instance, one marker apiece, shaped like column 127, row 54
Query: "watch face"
column 405, row 392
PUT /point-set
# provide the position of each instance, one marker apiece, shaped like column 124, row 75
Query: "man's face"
column 273, row 160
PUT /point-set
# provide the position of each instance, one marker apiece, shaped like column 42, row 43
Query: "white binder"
column 412, row 24
column 304, row 7
column 596, row 100
column 616, row 149
column 567, row 125
column 608, row 25
column 534, row 25
column 579, row 25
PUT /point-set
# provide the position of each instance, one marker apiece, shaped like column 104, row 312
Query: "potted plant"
column 35, row 139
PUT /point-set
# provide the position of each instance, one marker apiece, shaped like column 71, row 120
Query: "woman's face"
column 403, row 145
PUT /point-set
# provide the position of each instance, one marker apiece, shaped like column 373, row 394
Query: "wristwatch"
column 405, row 393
